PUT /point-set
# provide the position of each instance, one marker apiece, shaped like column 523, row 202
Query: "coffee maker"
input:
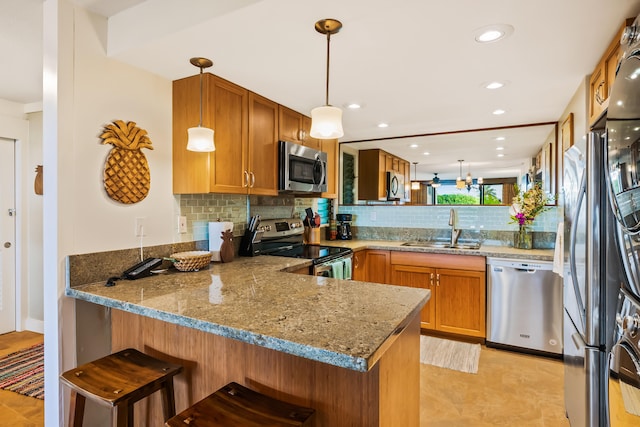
column 344, row 226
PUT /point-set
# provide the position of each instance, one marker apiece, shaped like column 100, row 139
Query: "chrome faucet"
column 453, row 223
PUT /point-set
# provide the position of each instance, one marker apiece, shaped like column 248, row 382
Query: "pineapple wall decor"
column 126, row 172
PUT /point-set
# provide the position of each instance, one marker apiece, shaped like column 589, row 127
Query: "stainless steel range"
column 284, row 237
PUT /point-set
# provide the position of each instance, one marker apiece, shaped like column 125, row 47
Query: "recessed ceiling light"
column 493, row 85
column 636, row 129
column 500, row 155
column 383, row 125
column 500, row 138
column 414, row 146
column 426, row 153
column 499, row 148
column 353, row 106
column 498, row 112
column 492, row 33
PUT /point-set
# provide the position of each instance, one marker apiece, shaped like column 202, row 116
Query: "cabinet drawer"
column 458, row 262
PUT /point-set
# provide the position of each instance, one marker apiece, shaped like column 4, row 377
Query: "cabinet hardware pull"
column 431, row 280
column 253, row 179
column 598, row 96
column 355, row 261
column 245, row 182
column 438, row 279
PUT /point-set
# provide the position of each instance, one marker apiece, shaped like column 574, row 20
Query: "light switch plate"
column 182, row 224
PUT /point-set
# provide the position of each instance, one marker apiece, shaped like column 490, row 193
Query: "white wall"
column 83, row 91
column 35, row 312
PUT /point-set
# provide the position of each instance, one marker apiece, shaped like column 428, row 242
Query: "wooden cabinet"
column 603, row 76
column 458, row 289
column 377, row 266
column 330, row 146
column 245, row 126
column 359, row 266
column 372, row 173
column 295, row 127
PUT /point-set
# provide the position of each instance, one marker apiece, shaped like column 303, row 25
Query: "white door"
column 7, row 237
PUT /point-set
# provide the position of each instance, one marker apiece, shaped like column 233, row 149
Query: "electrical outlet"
column 140, row 225
column 182, row 224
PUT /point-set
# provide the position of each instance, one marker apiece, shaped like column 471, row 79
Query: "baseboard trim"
column 34, row 325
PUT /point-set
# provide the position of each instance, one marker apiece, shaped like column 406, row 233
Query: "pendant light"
column 326, row 121
column 200, row 138
column 459, row 181
column 435, row 183
column 415, row 184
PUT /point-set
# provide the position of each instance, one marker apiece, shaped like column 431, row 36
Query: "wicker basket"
column 192, row 260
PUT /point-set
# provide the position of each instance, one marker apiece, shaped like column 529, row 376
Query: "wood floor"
column 15, row 409
column 509, row 389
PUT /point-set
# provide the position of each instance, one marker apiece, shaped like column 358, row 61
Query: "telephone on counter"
column 138, row 271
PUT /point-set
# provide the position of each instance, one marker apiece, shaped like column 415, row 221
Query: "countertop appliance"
column 623, row 182
column 301, row 169
column 344, row 226
column 395, row 186
column 283, row 237
column 524, row 306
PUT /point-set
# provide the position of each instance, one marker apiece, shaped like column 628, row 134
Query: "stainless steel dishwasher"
column 524, row 306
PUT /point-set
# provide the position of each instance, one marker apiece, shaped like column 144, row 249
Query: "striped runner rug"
column 23, row 371
column 455, row 355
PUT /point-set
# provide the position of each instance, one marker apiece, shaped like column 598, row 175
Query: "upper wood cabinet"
column 295, row 127
column 603, row 76
column 372, row 173
column 245, row 134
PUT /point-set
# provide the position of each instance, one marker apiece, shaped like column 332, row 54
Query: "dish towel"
column 558, row 253
column 347, row 269
column 337, row 270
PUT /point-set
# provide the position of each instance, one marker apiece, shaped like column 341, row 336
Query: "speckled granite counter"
column 343, row 323
column 485, row 250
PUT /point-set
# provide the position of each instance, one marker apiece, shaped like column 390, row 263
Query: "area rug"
column 458, row 356
column 23, row 372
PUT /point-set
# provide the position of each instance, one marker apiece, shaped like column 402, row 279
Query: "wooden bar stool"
column 120, row 380
column 236, row 406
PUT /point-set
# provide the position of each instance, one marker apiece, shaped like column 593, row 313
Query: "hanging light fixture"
column 415, row 184
column 435, row 183
column 200, row 138
column 468, row 182
column 326, row 121
column 459, row 181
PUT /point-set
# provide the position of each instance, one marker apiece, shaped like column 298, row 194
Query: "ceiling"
column 414, row 65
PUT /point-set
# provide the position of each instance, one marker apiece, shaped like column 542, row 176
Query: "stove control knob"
column 631, row 324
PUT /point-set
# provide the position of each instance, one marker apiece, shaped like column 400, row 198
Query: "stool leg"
column 76, row 409
column 124, row 415
column 168, row 399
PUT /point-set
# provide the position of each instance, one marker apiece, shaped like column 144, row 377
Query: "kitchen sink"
column 473, row 245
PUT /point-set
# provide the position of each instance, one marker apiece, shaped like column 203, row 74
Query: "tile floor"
column 510, row 389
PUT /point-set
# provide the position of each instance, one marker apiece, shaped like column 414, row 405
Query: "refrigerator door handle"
column 572, row 245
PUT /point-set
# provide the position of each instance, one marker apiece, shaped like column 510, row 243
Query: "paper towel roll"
column 215, row 237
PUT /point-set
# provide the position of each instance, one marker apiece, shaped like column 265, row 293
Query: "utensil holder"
column 311, row 236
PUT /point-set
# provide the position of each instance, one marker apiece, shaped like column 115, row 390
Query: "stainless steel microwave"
column 301, row 169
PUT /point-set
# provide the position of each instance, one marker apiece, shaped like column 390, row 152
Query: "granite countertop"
column 485, row 250
column 343, row 323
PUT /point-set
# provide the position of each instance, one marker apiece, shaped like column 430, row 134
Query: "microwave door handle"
column 318, row 164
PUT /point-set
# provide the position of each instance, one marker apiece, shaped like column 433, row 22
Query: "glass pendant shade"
column 200, row 139
column 415, row 185
column 326, row 123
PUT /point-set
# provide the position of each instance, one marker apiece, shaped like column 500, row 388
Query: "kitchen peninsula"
column 348, row 349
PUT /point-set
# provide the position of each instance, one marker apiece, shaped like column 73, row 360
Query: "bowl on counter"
column 190, row 260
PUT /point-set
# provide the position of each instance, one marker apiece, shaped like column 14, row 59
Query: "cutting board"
column 215, row 237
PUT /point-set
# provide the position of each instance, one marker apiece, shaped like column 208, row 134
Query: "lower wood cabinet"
column 458, row 289
column 377, row 266
column 359, row 267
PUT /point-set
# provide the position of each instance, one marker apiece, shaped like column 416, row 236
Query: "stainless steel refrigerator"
column 592, row 273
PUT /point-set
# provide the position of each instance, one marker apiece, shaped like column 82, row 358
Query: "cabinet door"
column 359, row 266
column 460, row 306
column 289, row 125
column 307, row 140
column 378, row 266
column 330, row 146
column 418, row 277
column 190, row 169
column 597, row 93
column 262, row 167
column 230, row 125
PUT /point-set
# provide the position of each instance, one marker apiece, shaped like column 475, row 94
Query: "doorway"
column 7, row 237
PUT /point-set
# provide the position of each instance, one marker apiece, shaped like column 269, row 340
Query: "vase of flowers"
column 524, row 209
